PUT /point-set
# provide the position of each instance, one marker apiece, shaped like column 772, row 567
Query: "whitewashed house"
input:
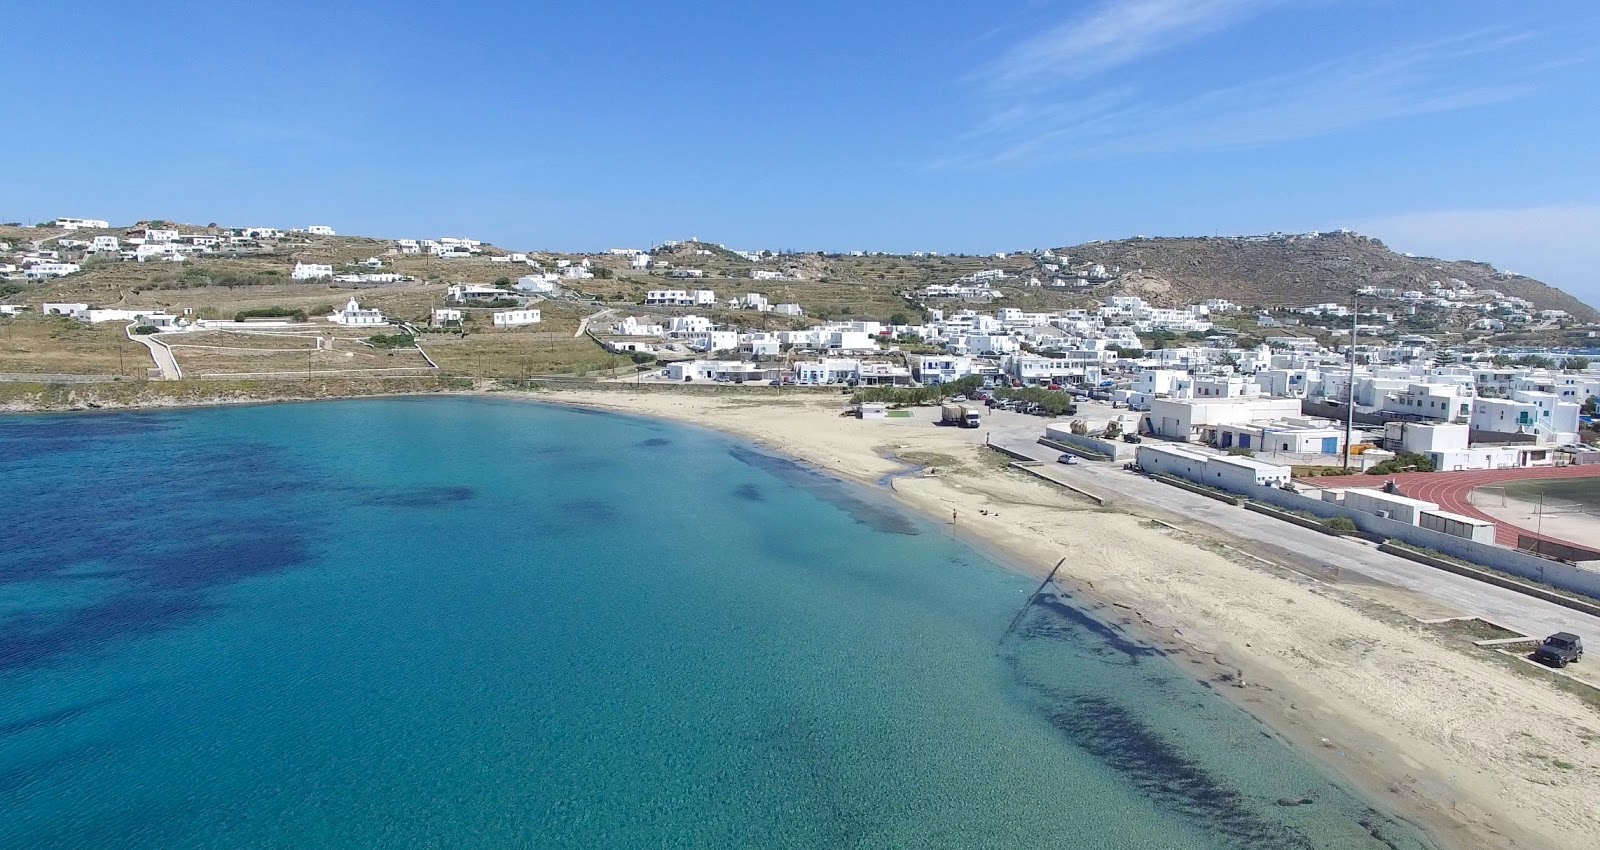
column 311, row 271
column 468, row 292
column 105, row 245
column 516, row 318
column 320, row 230
column 540, row 284
column 75, row 223
column 354, row 315
column 41, row 271
column 445, row 317
column 62, row 309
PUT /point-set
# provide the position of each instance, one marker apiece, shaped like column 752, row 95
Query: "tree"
column 502, row 281
column 1576, row 364
column 1589, row 406
column 898, row 318
column 1500, row 361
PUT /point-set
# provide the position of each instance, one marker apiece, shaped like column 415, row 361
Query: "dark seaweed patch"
column 655, row 442
column 32, row 641
column 749, row 493
column 582, row 512
column 1161, row 772
column 421, row 498
column 877, row 515
column 146, row 551
column 1069, row 619
column 47, row 719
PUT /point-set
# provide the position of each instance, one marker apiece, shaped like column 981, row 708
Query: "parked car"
column 1069, row 460
column 1132, row 438
column 774, row 383
column 1559, row 650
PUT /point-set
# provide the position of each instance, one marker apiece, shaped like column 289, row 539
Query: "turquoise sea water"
column 472, row 623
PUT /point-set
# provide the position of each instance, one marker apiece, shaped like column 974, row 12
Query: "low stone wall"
column 1108, row 449
column 1196, row 488
column 1292, row 518
column 1033, row 469
column 1491, row 578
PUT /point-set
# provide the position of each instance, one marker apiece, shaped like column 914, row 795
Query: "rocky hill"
column 1292, row 270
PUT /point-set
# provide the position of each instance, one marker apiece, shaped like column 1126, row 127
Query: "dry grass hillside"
column 1292, row 271
column 1283, row 271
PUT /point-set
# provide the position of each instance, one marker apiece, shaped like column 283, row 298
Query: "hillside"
column 1294, row 270
column 1291, row 271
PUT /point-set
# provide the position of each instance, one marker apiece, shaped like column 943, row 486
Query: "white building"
column 1199, row 419
column 516, row 318
column 320, row 230
column 468, row 292
column 62, row 309
column 75, row 223
column 828, row 370
column 105, row 245
column 311, row 271
column 1234, row 474
column 446, row 317
column 1388, row 505
column 354, row 315
column 40, row 271
column 1545, row 415
column 541, row 284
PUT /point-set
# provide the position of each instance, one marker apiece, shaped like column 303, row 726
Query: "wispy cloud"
column 1319, row 99
column 1113, row 33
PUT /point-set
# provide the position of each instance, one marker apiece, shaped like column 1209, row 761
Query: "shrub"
column 295, row 313
column 392, row 341
column 1341, row 524
column 146, row 330
column 1403, row 462
column 1241, row 451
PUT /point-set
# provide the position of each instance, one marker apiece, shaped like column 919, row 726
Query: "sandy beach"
column 1478, row 754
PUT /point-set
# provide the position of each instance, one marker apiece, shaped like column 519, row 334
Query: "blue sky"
column 1462, row 128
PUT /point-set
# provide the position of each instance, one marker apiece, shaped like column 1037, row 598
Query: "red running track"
column 1449, row 490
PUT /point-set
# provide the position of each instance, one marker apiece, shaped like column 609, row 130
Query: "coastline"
column 1456, row 803
column 1429, row 735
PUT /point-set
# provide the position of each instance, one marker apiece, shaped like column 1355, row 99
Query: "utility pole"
column 1350, row 401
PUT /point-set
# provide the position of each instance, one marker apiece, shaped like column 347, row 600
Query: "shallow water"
column 475, row 623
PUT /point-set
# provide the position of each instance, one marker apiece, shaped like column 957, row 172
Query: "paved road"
column 160, row 353
column 1290, row 543
column 583, row 324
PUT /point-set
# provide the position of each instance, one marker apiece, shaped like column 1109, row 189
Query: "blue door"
column 1330, row 445
column 1244, row 441
column 1227, row 439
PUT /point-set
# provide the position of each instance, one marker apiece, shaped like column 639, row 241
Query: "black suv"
column 1559, row 650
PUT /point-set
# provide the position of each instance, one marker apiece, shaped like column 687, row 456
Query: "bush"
column 1241, row 451
column 1341, row 524
column 295, row 313
column 1403, row 462
column 641, row 357
column 146, row 330
column 393, row 341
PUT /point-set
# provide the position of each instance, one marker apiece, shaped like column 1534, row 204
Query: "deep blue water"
column 473, row 623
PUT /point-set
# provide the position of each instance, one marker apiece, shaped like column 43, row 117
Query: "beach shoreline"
column 1431, row 737
column 1398, row 777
